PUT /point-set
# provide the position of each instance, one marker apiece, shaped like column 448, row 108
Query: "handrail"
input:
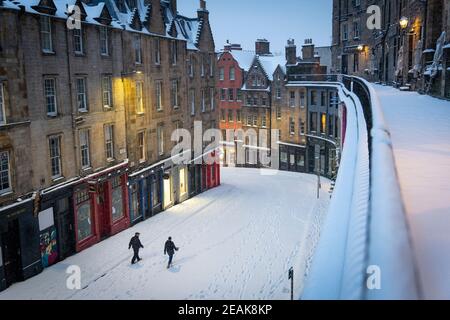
column 365, row 239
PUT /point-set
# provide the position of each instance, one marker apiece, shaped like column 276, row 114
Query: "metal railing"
column 364, row 251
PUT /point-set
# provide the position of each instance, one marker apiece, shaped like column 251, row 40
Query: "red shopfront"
column 211, row 173
column 100, row 207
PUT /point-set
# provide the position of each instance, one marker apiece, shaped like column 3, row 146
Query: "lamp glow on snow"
column 404, row 21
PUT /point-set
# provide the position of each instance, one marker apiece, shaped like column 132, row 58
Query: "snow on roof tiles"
column 188, row 29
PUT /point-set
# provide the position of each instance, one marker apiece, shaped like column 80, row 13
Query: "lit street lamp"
column 404, row 21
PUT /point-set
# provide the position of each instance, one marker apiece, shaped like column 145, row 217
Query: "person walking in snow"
column 136, row 244
column 170, row 248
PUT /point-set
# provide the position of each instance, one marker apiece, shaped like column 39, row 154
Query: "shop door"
column 65, row 228
column 103, row 212
column 11, row 252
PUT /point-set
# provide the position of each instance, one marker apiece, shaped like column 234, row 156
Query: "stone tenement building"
column 261, row 91
column 90, row 94
column 411, row 50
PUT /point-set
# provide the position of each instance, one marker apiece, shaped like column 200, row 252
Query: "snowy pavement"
column 237, row 241
column 420, row 128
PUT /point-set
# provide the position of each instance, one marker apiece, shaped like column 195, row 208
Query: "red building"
column 232, row 64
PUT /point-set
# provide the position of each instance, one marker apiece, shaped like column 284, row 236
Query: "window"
column 81, row 95
column 323, row 98
column 211, row 65
column 336, row 126
column 109, row 141
column 238, row 116
column 255, row 100
column 301, row 130
column 141, row 146
column 5, row 175
column 137, row 49
column 212, row 93
column 203, row 101
column 104, row 41
column 223, row 94
column 291, row 126
column 139, row 97
column 2, row 104
column 313, row 97
column 78, row 40
column 230, row 94
column 221, row 74
column 46, row 34
column 84, row 215
column 174, row 95
column 192, row 95
column 239, row 95
column 191, row 67
column 278, row 112
column 107, row 92
column 249, row 120
column 264, row 101
column 330, row 125
column 232, row 74
column 222, row 115
column 160, row 137
column 203, row 67
column 230, row 116
column 278, row 93
column 157, row 51
column 263, row 121
column 158, row 95
column 50, row 96
column 292, row 98
column 302, row 99
column 356, row 62
column 313, row 121
column 356, row 32
column 55, row 156
column 344, row 32
column 173, row 52
column 117, row 199
column 323, row 123
column 84, row 149
column 255, row 120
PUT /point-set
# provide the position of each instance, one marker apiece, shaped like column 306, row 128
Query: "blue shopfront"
column 145, row 194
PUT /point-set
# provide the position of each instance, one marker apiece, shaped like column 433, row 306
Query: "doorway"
column 11, row 252
column 344, row 69
column 167, row 192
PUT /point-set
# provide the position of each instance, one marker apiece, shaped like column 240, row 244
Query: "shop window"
column 117, row 201
column 183, row 182
column 313, row 121
column 156, row 192
column 5, row 175
column 84, row 215
column 134, row 201
column 301, row 160
column 323, row 123
column 283, row 157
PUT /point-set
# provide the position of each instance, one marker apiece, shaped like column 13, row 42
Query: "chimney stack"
column 173, row 6
column 291, row 52
column 203, row 13
column 262, row 47
column 308, row 50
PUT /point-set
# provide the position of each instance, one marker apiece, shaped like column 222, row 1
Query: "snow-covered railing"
column 364, row 250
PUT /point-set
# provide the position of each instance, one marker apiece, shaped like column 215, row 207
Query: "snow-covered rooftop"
column 188, row 29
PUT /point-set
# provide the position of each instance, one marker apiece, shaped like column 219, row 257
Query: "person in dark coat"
column 136, row 244
column 170, row 248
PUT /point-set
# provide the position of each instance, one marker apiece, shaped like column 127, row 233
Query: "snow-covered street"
column 420, row 128
column 237, row 241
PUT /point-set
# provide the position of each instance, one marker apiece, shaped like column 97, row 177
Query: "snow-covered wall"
column 364, row 251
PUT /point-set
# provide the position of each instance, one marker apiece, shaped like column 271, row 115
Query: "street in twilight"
column 221, row 150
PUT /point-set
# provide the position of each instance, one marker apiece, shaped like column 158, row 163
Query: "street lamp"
column 360, row 48
column 404, row 21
